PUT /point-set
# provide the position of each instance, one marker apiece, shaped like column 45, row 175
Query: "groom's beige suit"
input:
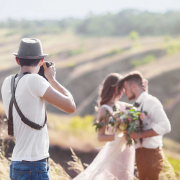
column 149, row 155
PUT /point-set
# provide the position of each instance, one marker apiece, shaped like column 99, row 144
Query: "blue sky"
column 59, row 9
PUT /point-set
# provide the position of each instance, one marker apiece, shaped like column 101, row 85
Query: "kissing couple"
column 116, row 160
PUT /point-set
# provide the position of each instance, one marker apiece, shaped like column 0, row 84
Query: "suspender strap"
column 10, row 117
column 23, row 118
column 141, row 124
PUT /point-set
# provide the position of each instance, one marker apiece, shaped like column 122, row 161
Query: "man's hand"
column 135, row 135
column 144, row 134
column 49, row 72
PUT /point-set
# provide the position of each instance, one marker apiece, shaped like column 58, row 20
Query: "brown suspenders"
column 13, row 101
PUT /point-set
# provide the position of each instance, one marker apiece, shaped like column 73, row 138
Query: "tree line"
column 120, row 24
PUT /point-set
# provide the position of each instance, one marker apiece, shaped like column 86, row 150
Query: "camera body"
column 41, row 70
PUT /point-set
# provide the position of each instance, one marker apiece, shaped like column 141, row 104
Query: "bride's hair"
column 108, row 88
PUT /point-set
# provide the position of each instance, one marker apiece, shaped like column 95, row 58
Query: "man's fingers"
column 44, row 65
column 52, row 64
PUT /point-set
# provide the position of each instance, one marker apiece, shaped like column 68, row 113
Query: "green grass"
column 53, row 54
column 114, row 52
column 71, row 64
column 78, row 124
column 134, row 35
column 175, row 163
column 33, row 31
column 74, row 52
column 173, row 48
column 11, row 33
column 167, row 38
column 75, row 125
column 147, row 60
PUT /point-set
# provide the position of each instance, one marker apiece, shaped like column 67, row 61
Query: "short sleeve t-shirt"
column 31, row 144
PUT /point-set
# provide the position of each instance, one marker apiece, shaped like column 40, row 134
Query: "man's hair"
column 28, row 62
column 134, row 77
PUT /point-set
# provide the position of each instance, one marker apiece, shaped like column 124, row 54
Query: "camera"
column 41, row 70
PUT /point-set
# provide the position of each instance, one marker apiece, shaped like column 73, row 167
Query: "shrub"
column 173, row 48
column 148, row 59
column 134, row 35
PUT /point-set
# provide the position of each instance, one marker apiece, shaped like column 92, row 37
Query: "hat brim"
column 31, row 57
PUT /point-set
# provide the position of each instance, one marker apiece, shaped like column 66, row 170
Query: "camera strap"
column 13, row 101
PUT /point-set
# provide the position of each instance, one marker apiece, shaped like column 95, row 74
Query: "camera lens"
column 48, row 64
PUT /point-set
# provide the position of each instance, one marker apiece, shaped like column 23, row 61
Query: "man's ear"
column 134, row 86
column 17, row 60
column 41, row 62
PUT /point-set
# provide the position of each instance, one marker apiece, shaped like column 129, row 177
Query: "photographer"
column 25, row 108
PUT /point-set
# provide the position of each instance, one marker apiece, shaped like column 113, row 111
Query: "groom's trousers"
column 149, row 163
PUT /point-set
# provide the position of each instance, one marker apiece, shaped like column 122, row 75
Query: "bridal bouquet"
column 128, row 121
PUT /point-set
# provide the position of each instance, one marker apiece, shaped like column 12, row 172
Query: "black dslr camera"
column 41, row 70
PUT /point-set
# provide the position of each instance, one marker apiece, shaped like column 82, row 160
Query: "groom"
column 149, row 155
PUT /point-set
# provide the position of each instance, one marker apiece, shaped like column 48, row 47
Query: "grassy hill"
column 83, row 62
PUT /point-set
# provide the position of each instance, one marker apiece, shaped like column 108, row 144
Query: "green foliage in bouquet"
column 128, row 122
column 135, row 125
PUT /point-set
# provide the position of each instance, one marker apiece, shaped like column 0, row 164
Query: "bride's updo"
column 108, row 88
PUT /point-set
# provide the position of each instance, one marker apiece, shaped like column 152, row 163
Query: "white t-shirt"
column 31, row 144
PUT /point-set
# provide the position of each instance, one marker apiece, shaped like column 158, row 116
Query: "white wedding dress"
column 115, row 161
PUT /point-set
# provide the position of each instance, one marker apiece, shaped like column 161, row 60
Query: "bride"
column 115, row 160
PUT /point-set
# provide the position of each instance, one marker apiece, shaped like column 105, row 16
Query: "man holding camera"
column 23, row 100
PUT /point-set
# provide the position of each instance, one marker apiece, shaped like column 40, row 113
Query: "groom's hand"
column 135, row 135
column 144, row 134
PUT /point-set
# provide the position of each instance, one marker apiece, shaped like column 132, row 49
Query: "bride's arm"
column 102, row 136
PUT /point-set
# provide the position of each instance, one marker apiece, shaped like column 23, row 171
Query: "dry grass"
column 75, row 165
column 57, row 172
column 4, row 168
column 168, row 172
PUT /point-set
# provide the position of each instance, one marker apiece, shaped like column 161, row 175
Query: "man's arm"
column 56, row 94
column 144, row 134
column 57, row 86
column 161, row 122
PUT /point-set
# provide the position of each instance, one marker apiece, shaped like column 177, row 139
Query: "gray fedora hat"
column 30, row 48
